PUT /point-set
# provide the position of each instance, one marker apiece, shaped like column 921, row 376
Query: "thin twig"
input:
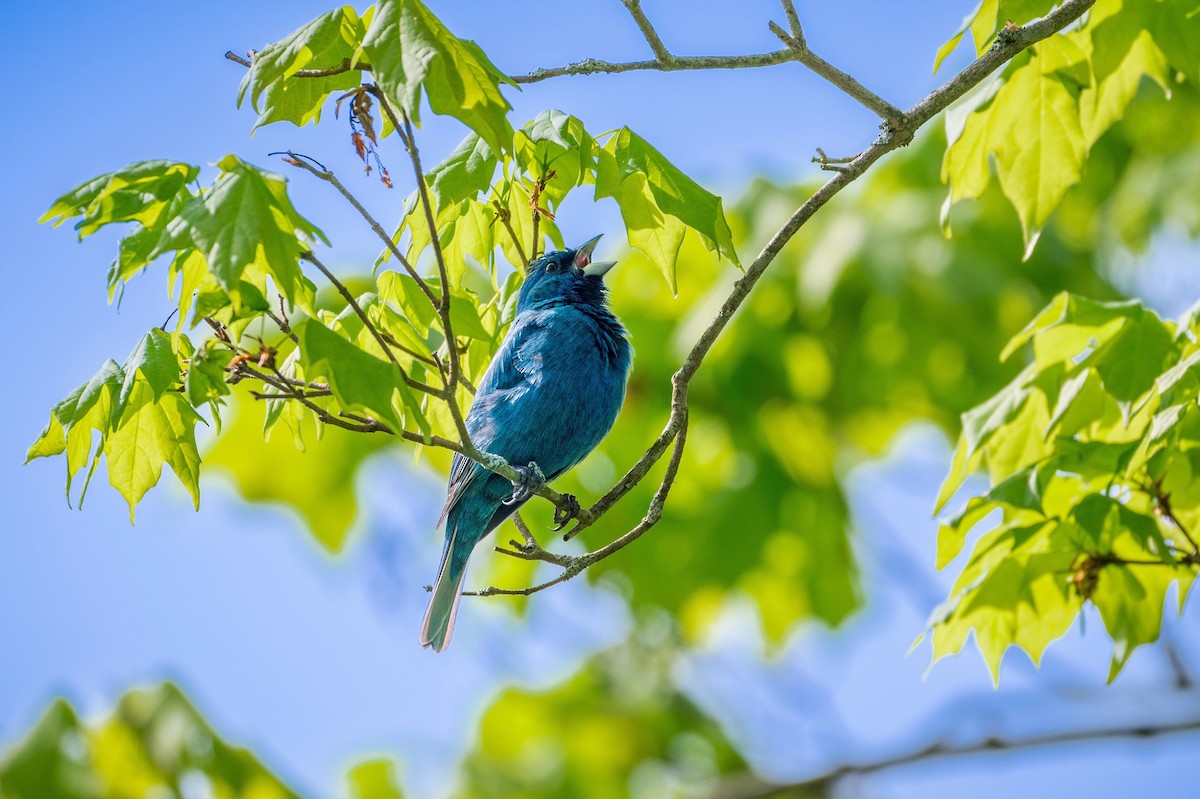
column 534, row 245
column 789, row 11
column 261, row 395
column 366, row 320
column 337, row 69
column 414, row 155
column 326, row 175
column 752, row 787
column 358, row 424
column 282, row 324
column 392, row 342
column 1168, row 512
column 523, row 528
column 505, row 218
column 594, row 66
column 829, row 163
column 573, row 566
column 885, row 110
column 661, row 53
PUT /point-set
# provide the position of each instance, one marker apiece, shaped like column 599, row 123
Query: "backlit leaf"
column 411, row 51
column 323, row 43
column 658, row 202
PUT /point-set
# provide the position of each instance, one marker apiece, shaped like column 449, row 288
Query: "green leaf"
column 996, row 14
column 464, row 317
column 1130, row 600
column 1011, row 593
column 471, row 235
column 951, row 44
column 205, row 378
column 557, row 148
column 658, row 202
column 961, row 466
column 154, row 361
column 410, row 50
column 1123, row 52
column 404, row 291
column 1175, row 375
column 464, row 173
column 1115, row 528
column 139, row 248
column 980, row 423
column 1042, row 149
column 358, row 380
column 150, row 433
column 86, row 409
column 1069, row 325
column 987, row 19
column 152, row 739
column 323, row 43
column 1176, row 28
column 51, row 441
column 1032, row 129
column 247, row 220
column 141, row 192
column 1131, row 362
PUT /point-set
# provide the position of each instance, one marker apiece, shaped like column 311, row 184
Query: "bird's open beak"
column 583, row 259
column 598, row 268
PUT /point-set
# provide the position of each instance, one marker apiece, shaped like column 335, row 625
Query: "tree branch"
column 1013, row 42
column 302, row 162
column 337, row 69
column 661, row 54
column 361, row 314
column 885, row 110
column 505, row 217
column 593, row 66
column 292, row 389
column 1164, row 506
column 751, row 787
column 796, row 50
column 573, row 566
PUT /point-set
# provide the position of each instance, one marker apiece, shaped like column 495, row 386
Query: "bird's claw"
column 531, row 480
column 563, row 515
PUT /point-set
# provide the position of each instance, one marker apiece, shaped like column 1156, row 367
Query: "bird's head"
column 565, row 277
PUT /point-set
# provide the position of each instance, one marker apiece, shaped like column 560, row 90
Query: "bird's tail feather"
column 443, row 605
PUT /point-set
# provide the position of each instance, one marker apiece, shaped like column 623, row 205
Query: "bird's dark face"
column 565, row 277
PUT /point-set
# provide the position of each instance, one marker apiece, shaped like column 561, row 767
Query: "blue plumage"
column 550, row 395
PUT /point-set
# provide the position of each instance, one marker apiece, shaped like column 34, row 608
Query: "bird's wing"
column 517, row 362
column 514, row 370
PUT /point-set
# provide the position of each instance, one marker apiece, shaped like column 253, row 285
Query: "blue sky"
column 310, row 660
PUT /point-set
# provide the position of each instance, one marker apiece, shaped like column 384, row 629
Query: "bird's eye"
column 551, row 267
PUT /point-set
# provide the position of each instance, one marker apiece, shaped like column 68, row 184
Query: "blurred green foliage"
column 870, row 319
column 153, row 744
column 618, row 725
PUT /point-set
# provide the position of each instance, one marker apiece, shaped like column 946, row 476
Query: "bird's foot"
column 531, row 480
column 563, row 515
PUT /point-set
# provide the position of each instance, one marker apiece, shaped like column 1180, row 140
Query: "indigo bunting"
column 549, row 396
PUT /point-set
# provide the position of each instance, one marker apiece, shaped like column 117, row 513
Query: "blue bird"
column 549, row 396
